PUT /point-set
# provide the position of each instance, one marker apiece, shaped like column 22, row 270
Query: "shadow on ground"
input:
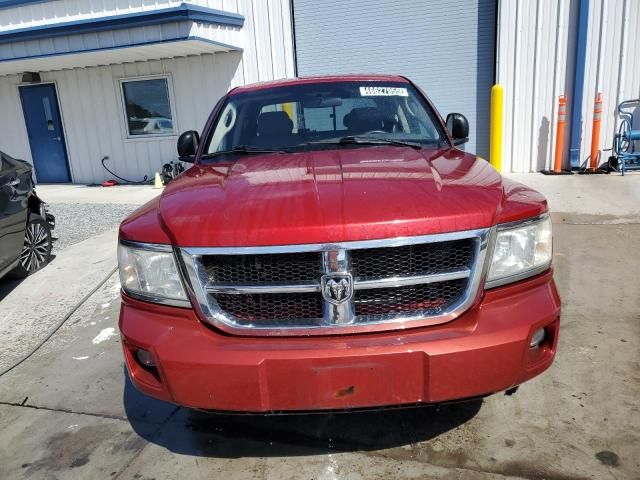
column 218, row 435
column 8, row 283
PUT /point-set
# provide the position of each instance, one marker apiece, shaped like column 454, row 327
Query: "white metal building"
column 84, row 79
column 536, row 62
column 124, row 78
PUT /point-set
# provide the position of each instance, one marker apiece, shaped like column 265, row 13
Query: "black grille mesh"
column 426, row 299
column 421, row 259
column 259, row 269
column 269, row 306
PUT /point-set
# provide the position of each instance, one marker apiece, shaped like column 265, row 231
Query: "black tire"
column 36, row 251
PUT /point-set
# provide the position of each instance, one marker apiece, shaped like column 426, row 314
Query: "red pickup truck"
column 331, row 248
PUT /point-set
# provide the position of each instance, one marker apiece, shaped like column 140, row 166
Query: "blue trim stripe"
column 122, row 47
column 18, row 3
column 140, row 19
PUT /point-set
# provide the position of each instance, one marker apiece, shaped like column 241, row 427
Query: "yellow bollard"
column 288, row 107
column 495, row 141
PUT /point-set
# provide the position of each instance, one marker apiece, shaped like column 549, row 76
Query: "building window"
column 147, row 104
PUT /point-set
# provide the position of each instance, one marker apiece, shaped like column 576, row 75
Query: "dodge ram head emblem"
column 337, row 288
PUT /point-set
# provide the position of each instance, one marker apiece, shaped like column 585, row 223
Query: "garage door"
column 446, row 46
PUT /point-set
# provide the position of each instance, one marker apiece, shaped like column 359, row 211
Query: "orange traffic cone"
column 158, row 181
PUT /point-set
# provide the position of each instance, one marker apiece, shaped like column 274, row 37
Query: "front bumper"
column 483, row 351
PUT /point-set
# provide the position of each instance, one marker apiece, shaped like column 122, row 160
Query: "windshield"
column 312, row 116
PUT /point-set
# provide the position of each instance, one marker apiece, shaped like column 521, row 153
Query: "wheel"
column 36, row 251
column 623, row 132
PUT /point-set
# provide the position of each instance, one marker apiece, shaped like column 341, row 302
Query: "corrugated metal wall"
column 91, row 106
column 536, row 61
column 91, row 102
column 613, row 66
column 446, row 47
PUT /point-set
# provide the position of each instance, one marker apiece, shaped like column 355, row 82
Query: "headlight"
column 149, row 272
column 520, row 251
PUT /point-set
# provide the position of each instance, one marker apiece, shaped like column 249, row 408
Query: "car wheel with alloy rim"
column 36, row 251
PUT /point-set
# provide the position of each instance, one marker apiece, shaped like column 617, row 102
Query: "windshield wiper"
column 243, row 149
column 359, row 140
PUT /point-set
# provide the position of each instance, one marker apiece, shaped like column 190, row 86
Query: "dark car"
column 25, row 224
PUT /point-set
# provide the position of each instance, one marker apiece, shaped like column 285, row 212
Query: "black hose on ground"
column 145, row 179
column 59, row 324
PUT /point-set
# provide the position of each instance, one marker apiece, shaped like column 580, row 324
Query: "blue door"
column 46, row 137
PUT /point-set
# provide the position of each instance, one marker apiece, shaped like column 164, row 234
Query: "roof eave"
column 183, row 12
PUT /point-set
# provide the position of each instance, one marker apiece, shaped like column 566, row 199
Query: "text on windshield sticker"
column 383, row 92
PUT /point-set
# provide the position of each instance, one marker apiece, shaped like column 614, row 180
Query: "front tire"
column 36, row 251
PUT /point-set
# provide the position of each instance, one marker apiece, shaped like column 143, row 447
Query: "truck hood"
column 333, row 196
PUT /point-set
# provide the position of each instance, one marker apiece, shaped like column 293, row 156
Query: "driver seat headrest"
column 274, row 124
column 363, row 119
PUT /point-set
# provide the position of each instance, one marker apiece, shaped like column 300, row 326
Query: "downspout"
column 293, row 34
column 578, row 84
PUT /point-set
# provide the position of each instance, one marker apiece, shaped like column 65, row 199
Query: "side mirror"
column 188, row 145
column 458, row 126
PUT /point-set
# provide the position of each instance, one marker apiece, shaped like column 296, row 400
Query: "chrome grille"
column 333, row 288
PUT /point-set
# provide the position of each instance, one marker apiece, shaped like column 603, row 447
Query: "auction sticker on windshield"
column 383, row 92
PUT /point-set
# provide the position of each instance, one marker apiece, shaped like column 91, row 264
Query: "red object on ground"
column 325, row 197
column 109, row 183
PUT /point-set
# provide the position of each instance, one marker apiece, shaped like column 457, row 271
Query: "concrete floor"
column 589, row 198
column 124, row 194
column 69, row 411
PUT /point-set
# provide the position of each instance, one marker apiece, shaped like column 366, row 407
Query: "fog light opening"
column 537, row 338
column 145, row 358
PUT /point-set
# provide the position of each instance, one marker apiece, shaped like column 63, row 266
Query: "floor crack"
column 139, row 452
column 63, row 410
